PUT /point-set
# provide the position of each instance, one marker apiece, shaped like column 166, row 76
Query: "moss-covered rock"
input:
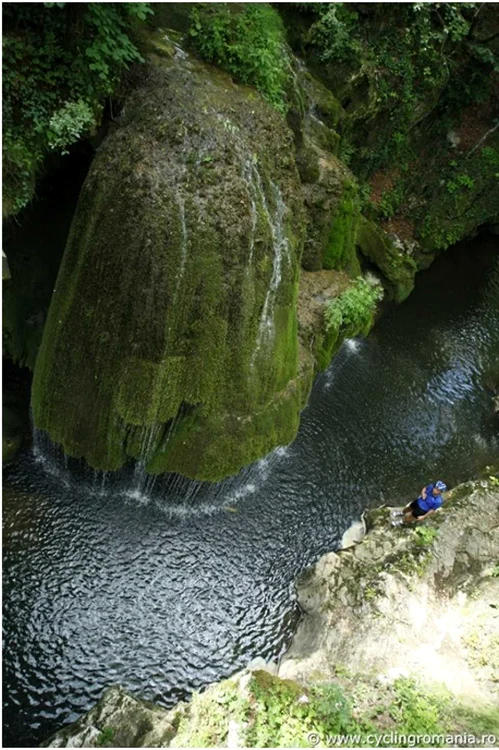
column 172, row 336
column 328, row 198
column 340, row 251
column 328, row 188
column 119, row 720
column 396, row 265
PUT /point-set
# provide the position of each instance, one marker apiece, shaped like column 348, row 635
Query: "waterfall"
column 144, row 482
column 281, row 251
column 183, row 248
column 280, row 245
column 254, row 190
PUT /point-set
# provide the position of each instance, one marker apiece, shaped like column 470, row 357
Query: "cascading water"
column 281, row 251
column 143, row 483
column 183, row 248
column 280, row 246
column 254, row 193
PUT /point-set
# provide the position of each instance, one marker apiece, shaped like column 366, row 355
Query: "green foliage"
column 334, row 32
column 105, row 738
column 68, row 124
column 350, row 314
column 481, row 722
column 282, row 713
column 461, row 181
column 275, row 712
column 468, row 200
column 207, row 723
column 410, row 57
column 60, row 61
column 347, row 151
column 353, row 311
column 425, row 535
column 390, row 201
column 247, row 41
column 416, row 711
column 490, row 158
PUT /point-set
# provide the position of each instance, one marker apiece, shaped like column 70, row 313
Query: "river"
column 166, row 586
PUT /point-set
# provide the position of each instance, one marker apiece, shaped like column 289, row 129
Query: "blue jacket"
column 432, row 502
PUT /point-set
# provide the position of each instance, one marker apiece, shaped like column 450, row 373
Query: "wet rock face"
column 418, row 599
column 172, row 334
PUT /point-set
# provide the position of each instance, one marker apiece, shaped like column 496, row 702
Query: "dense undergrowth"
column 60, row 62
column 271, row 712
column 247, row 40
column 413, row 57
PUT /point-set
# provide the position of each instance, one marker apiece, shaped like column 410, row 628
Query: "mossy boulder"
column 331, row 212
column 340, row 251
column 396, row 265
column 172, row 334
column 119, row 720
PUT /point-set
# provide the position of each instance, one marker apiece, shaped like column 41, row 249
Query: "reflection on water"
column 168, row 585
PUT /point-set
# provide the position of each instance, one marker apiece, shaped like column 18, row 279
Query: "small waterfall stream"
column 255, row 194
column 281, row 251
column 275, row 219
column 183, row 248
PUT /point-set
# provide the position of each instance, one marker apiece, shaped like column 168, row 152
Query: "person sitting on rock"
column 428, row 502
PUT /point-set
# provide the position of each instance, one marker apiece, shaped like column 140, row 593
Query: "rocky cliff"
column 172, row 332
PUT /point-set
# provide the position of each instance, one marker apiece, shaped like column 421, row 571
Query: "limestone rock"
column 117, row 720
column 398, row 603
column 172, row 336
column 354, row 534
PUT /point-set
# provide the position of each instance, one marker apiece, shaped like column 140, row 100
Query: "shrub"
column 425, row 536
column 353, row 311
column 417, row 711
column 248, row 42
column 410, row 56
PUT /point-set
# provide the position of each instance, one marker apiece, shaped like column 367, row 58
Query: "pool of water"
column 164, row 587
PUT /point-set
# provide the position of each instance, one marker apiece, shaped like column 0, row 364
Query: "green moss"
column 340, row 252
column 350, row 314
column 155, row 345
column 307, row 161
column 398, row 268
column 469, row 200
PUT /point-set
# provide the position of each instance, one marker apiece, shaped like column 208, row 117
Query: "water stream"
column 166, row 586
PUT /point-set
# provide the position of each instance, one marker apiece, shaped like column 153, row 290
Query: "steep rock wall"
column 172, row 334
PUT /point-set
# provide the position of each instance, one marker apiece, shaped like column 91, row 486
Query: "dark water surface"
column 166, row 588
